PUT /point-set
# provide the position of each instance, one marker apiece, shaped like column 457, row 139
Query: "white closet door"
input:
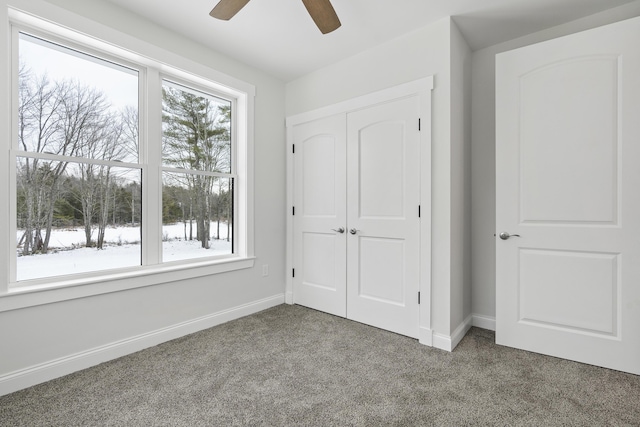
column 383, row 244
column 320, row 210
column 568, row 182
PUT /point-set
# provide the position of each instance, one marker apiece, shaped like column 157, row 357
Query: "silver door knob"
column 353, row 231
column 339, row 230
column 505, row 236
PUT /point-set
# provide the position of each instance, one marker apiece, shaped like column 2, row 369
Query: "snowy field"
column 122, row 249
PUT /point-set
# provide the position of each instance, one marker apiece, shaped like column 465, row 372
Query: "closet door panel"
column 383, row 193
column 320, row 212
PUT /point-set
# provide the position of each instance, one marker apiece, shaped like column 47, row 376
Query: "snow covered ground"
column 121, row 250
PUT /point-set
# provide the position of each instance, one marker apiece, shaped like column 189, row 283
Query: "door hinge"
column 293, row 210
column 419, row 125
column 418, row 298
column 293, row 148
column 293, row 272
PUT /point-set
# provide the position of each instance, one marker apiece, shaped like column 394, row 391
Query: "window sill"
column 33, row 295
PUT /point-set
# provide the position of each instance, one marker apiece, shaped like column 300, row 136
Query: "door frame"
column 422, row 88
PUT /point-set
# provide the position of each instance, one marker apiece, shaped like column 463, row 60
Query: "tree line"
column 68, row 118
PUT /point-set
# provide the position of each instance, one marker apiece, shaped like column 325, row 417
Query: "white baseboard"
column 37, row 374
column 425, row 336
column 288, row 298
column 441, row 341
column 448, row 343
column 460, row 332
column 484, row 322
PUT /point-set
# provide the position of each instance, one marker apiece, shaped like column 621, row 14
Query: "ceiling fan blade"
column 226, row 9
column 323, row 14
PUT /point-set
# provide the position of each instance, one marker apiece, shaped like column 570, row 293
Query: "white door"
column 568, row 183
column 319, row 244
column 383, row 198
column 356, row 228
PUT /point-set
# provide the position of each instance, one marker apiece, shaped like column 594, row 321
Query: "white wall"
column 422, row 53
column 54, row 339
column 483, row 151
column 460, row 181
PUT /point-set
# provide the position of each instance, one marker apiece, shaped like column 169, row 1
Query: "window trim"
column 153, row 65
column 82, row 287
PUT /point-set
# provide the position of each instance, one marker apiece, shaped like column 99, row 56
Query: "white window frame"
column 154, row 64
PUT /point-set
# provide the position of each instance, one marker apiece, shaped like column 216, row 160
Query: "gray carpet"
column 291, row 366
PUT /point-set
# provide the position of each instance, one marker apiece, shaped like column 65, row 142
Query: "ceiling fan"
column 321, row 12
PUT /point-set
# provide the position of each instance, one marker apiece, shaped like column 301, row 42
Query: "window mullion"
column 151, row 147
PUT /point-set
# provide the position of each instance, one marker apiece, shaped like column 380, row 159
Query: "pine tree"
column 196, row 138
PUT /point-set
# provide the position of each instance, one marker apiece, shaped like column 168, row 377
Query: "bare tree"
column 129, row 134
column 69, row 119
column 38, row 131
column 119, row 141
column 85, row 129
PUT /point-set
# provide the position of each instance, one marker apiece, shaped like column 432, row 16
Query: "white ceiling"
column 279, row 37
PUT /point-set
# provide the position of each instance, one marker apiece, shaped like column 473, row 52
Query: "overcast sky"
column 119, row 84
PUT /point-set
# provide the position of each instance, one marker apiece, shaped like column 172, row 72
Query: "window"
column 197, row 192
column 78, row 182
column 122, row 164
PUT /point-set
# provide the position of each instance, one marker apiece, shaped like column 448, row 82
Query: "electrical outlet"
column 265, row 270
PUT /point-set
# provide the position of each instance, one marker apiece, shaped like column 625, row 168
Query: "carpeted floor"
column 291, row 366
